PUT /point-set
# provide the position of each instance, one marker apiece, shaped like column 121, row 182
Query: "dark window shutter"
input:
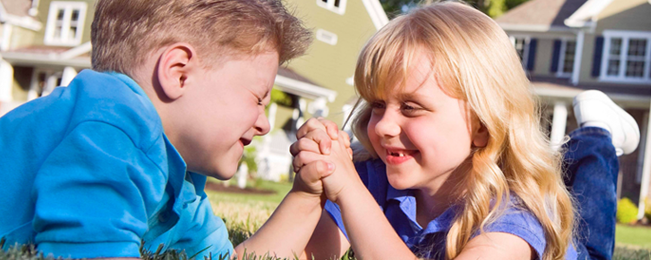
column 556, row 54
column 532, row 54
column 596, row 57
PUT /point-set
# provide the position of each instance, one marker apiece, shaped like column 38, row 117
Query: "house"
column 44, row 43
column 341, row 28
column 567, row 46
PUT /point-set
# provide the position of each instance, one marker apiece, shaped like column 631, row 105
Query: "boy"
column 178, row 88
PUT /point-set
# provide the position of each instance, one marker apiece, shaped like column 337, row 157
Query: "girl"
column 453, row 155
column 457, row 160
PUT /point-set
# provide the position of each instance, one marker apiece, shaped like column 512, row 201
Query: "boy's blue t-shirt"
column 399, row 206
column 87, row 172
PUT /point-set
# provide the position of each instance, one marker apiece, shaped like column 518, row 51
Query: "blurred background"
column 566, row 46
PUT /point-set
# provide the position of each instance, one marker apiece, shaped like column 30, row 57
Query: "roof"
column 541, row 13
column 630, row 95
column 289, row 73
column 376, row 12
column 17, row 12
column 17, row 7
column 78, row 56
column 291, row 82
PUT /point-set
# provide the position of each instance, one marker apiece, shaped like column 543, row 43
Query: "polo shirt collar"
column 132, row 84
column 186, row 185
column 407, row 202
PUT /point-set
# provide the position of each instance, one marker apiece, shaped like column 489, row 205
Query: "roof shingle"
column 17, row 7
column 541, row 12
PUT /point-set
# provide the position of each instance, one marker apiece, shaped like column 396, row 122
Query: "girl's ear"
column 173, row 68
column 480, row 136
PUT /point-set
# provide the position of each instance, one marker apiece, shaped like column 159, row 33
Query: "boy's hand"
column 308, row 179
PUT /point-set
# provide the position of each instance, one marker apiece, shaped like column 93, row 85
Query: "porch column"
column 318, row 107
column 264, row 150
column 50, row 84
column 646, row 170
column 578, row 52
column 299, row 113
column 559, row 123
column 5, row 40
column 6, row 80
column 69, row 73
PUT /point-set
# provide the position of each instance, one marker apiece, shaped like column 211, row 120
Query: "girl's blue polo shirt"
column 88, row 172
column 399, row 206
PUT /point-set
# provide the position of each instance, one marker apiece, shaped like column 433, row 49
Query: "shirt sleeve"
column 523, row 224
column 94, row 193
column 373, row 183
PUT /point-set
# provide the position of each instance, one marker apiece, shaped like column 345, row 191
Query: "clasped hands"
column 323, row 160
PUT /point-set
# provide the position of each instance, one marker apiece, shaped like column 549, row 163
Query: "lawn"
column 245, row 213
column 633, row 236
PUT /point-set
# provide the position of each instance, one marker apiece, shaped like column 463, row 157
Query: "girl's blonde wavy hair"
column 473, row 60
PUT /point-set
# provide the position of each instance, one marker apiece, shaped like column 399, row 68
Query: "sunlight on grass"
column 636, row 236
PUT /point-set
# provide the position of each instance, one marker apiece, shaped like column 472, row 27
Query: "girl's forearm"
column 369, row 231
column 288, row 230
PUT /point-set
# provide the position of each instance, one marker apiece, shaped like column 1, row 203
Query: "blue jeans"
column 591, row 167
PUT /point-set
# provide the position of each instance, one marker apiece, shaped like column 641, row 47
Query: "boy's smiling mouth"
column 245, row 142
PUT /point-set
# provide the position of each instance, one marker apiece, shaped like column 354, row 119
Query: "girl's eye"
column 408, row 109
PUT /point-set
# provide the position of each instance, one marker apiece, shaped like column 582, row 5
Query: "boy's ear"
column 174, row 65
column 480, row 136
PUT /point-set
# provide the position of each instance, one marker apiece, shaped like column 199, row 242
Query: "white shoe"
column 594, row 108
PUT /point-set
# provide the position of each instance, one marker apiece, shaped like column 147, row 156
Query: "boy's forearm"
column 289, row 228
column 370, row 233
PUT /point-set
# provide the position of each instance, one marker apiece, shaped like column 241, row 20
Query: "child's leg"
column 592, row 166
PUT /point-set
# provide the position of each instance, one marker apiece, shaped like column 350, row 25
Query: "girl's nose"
column 387, row 125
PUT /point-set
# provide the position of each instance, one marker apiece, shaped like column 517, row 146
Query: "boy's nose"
column 262, row 125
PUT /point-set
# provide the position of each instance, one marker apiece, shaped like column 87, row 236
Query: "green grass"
column 245, row 213
column 633, row 236
column 281, row 190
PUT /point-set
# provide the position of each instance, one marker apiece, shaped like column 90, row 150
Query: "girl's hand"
column 345, row 177
column 316, row 136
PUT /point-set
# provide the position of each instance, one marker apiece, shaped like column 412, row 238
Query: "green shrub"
column 626, row 211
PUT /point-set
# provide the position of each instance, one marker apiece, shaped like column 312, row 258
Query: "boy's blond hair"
column 473, row 60
column 125, row 32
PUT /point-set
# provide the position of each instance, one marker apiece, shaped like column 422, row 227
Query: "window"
column 521, row 45
column 626, row 57
column 65, row 23
column 566, row 59
column 337, row 6
column 327, row 37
